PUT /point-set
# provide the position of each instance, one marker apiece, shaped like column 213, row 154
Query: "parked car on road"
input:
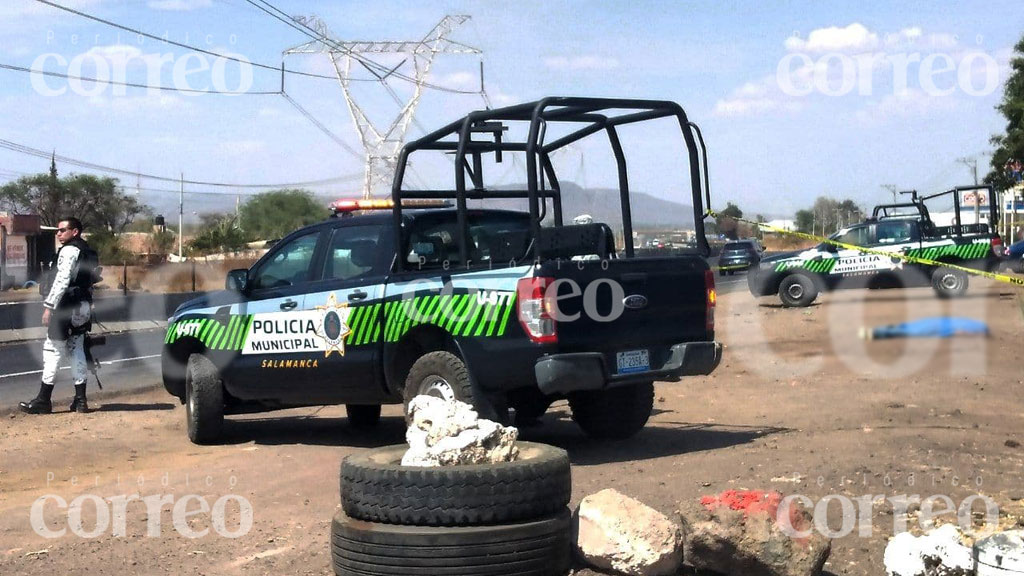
column 739, row 255
column 1015, row 257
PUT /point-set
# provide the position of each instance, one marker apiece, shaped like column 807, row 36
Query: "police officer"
column 67, row 315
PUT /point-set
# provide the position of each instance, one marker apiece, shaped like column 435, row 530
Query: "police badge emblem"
column 334, row 325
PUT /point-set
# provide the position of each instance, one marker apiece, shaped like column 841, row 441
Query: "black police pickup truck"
column 483, row 305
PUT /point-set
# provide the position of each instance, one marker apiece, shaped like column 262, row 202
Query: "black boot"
column 79, row 404
column 41, row 403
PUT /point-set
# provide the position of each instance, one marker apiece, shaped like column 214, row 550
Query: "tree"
column 1010, row 146
column 109, row 247
column 220, row 233
column 725, row 221
column 804, row 221
column 828, row 215
column 274, row 214
column 95, row 201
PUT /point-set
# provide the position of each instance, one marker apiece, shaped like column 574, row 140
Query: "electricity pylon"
column 382, row 145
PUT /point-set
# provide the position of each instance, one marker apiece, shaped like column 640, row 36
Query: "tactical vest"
column 80, row 288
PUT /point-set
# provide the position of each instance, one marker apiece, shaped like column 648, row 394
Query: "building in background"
column 26, row 248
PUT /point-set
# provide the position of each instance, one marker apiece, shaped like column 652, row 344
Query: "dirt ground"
column 799, row 405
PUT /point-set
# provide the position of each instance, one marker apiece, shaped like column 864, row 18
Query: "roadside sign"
column 974, row 198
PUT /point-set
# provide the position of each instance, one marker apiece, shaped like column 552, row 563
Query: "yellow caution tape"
column 898, row 255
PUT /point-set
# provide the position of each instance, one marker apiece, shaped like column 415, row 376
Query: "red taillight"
column 535, row 310
column 712, row 299
column 997, row 246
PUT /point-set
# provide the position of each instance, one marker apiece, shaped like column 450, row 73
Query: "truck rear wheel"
column 949, row 282
column 797, row 291
column 615, row 413
column 440, row 374
column 204, row 400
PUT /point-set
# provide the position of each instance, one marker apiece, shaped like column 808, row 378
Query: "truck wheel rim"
column 950, row 282
column 437, row 387
column 795, row 291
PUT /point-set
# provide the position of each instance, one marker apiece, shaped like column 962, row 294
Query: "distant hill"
column 601, row 203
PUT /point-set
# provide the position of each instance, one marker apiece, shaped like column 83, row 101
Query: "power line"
column 186, row 46
column 20, row 148
column 130, row 84
column 128, row 189
column 337, row 140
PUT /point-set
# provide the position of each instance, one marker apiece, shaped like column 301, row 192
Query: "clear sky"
column 795, row 99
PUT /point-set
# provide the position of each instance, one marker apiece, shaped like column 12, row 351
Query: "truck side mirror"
column 237, row 280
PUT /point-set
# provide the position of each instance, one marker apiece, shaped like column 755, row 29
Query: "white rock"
column 946, row 546
column 451, row 433
column 903, row 556
column 616, row 532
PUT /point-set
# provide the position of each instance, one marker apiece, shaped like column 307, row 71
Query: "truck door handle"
column 288, row 304
column 356, row 296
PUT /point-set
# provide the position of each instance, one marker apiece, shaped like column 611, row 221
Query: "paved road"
column 131, row 361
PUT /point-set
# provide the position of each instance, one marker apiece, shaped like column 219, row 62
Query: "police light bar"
column 348, row 205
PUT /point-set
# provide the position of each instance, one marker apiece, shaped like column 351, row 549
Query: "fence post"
column 193, row 275
column 124, row 278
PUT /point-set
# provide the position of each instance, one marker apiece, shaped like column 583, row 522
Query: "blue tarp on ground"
column 938, row 327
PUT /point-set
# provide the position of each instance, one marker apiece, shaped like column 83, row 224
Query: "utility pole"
column 972, row 163
column 181, row 212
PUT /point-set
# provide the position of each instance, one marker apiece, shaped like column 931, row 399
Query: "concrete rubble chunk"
column 750, row 533
column 943, row 551
column 451, row 433
column 1001, row 554
column 618, row 533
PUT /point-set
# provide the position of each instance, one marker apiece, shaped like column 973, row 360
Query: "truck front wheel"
column 615, row 413
column 440, row 374
column 204, row 400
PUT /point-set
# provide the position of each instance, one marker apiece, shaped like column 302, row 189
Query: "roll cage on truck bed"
column 542, row 182
column 917, row 209
column 509, row 325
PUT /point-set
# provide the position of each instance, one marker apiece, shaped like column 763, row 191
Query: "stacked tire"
column 505, row 519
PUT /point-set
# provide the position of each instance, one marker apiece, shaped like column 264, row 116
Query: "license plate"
column 633, row 361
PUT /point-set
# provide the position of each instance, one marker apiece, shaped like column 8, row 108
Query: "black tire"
column 375, row 487
column 721, row 272
column 204, row 400
column 441, row 374
column 615, row 413
column 949, row 282
column 797, row 291
column 363, row 416
column 540, row 547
